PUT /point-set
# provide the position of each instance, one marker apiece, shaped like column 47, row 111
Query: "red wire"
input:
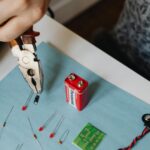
column 145, row 131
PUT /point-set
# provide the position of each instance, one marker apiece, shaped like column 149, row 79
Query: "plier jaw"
column 24, row 49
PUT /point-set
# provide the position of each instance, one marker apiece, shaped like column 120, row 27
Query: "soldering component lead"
column 63, row 137
column 47, row 122
column 25, row 106
column 53, row 133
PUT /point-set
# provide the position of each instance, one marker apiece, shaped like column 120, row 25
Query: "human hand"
column 19, row 15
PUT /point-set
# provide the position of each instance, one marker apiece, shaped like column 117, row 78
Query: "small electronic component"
column 34, row 135
column 36, row 100
column 63, row 137
column 47, row 122
column 5, row 122
column 146, row 120
column 89, row 138
column 25, row 106
column 76, row 91
column 53, row 133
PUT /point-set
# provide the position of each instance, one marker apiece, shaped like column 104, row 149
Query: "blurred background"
column 84, row 17
column 93, row 20
column 88, row 17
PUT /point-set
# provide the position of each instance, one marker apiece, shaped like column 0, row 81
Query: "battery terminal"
column 80, row 83
column 72, row 77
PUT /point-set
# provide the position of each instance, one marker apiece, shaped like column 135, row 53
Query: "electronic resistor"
column 34, row 135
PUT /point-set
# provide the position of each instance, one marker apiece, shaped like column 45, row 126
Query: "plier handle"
column 24, row 49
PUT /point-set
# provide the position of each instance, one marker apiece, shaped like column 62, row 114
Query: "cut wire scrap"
column 63, row 137
column 47, row 122
column 53, row 133
column 25, row 106
column 34, row 135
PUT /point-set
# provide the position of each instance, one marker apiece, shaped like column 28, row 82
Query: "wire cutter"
column 24, row 49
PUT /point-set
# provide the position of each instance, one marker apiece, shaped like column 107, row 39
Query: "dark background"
column 103, row 14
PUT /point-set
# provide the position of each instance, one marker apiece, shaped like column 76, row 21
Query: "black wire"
column 51, row 13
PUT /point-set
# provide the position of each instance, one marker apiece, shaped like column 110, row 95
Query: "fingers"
column 9, row 9
column 19, row 15
column 4, row 13
column 13, row 28
column 19, row 24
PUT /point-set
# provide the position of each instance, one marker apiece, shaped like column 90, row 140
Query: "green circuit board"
column 89, row 138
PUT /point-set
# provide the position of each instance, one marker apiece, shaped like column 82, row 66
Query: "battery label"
column 72, row 98
column 76, row 91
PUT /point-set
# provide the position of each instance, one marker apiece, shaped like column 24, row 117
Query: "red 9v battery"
column 76, row 91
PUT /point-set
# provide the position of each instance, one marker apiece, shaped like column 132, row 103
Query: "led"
column 25, row 106
column 41, row 128
column 47, row 122
column 52, row 134
column 63, row 137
